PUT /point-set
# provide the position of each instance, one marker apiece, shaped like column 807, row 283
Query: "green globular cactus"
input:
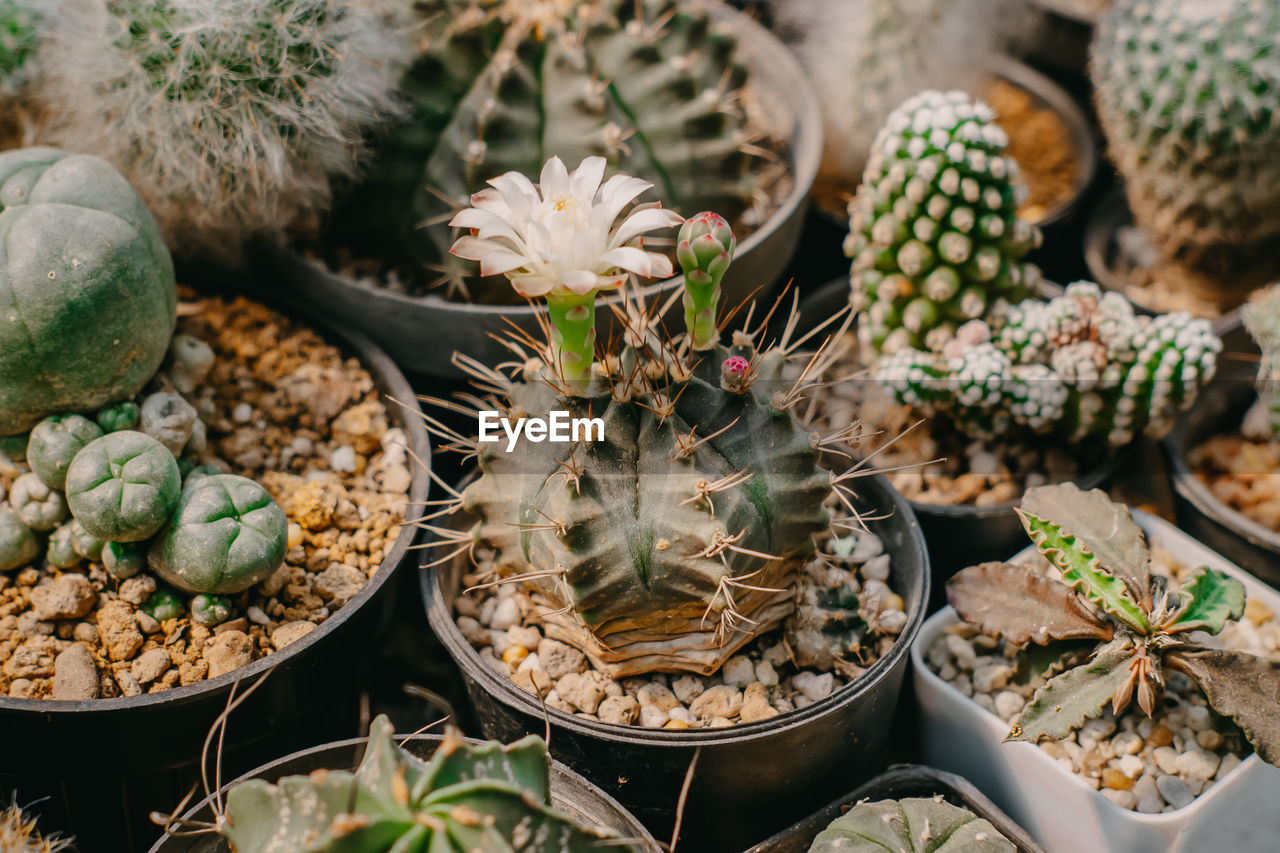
column 210, row 610
column 123, row 560
column 231, row 118
column 935, row 236
column 504, row 85
column 119, row 416
column 86, row 284
column 54, row 443
column 704, row 249
column 225, row 535
column 1082, row 366
column 61, row 551
column 1189, row 98
column 914, row 825
column 164, row 604
column 84, row 543
column 1262, row 317
column 18, row 543
column 122, row 487
column 466, row 798
column 41, row 507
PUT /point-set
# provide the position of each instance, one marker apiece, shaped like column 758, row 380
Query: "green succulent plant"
column 41, row 507
column 54, row 443
column 123, row 486
column 123, row 560
column 119, row 416
column 225, row 535
column 914, row 825
column 1135, row 630
column 84, row 543
column 466, row 798
column 1262, row 317
column 60, row 551
column 18, row 543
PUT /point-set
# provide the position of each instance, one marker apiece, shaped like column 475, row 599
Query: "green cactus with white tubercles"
column 913, row 825
column 935, row 236
column 1262, row 317
column 1188, row 94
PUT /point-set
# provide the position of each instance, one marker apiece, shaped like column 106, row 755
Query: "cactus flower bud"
column 705, row 250
column 733, row 373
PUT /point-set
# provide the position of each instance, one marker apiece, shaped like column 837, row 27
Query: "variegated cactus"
column 1108, row 595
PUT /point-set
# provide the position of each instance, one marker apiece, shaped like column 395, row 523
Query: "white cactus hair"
column 230, row 117
column 868, row 56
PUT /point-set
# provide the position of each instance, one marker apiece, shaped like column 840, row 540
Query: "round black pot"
column 422, row 332
column 901, row 781
column 751, row 779
column 1218, row 411
column 104, row 764
column 570, row 794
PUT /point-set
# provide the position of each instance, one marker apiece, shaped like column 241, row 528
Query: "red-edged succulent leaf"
column 1010, row 601
column 1241, row 686
column 1209, row 600
column 1067, row 700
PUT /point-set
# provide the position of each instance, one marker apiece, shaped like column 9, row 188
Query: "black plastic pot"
column 104, row 764
column 570, row 794
column 1218, row 411
column 422, row 332
column 751, row 779
column 901, row 782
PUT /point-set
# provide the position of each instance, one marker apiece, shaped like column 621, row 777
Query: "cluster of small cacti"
column 1189, row 98
column 913, row 825
column 1082, row 365
column 230, row 118
column 466, row 797
column 504, row 85
column 1129, row 631
column 1262, row 317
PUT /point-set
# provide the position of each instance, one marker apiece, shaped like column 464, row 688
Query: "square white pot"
column 1240, row 813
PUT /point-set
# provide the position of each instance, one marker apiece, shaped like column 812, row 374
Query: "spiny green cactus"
column 504, row 85
column 935, row 236
column 1189, row 98
column 1108, row 594
column 465, row 798
column 230, row 118
column 1083, row 366
column 914, row 825
column 1262, row 317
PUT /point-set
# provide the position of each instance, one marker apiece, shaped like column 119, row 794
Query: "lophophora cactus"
column 1262, row 317
column 504, row 85
column 913, row 825
column 230, row 118
column 1189, row 97
column 1113, row 630
column 934, row 232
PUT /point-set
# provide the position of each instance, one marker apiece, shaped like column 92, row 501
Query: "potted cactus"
column 1014, row 389
column 695, row 98
column 1136, row 666
column 1225, row 453
column 423, row 792
column 174, row 507
column 673, row 549
column 1197, row 149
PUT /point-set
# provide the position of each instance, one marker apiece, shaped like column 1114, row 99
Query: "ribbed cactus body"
column 935, row 237
column 1189, row 98
column 639, row 538
column 1262, row 317
column 916, row 825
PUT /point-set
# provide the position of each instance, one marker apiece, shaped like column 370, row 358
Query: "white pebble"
column 1166, row 759
column 991, row 677
column 814, row 686
column 1123, row 799
column 1008, row 705
column 1197, row 765
column 876, row 569
column 867, row 546
column 766, row 674
column 242, row 413
column 682, row 714
column 343, row 460
column 1126, row 743
column 739, row 671
column 653, row 717
column 1174, row 791
column 966, row 658
column 658, row 696
column 687, row 687
column 1130, row 765
column 505, row 615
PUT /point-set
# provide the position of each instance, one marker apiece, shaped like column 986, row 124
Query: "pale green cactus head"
column 915, row 825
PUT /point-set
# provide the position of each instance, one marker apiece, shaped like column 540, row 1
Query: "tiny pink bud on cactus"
column 705, row 248
column 733, row 373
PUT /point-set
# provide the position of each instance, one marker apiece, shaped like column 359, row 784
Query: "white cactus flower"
column 559, row 237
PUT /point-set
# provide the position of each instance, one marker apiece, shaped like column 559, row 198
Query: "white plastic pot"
column 1240, row 813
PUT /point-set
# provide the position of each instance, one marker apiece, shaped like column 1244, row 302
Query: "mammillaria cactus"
column 1189, row 98
column 230, row 118
column 1108, row 595
column 935, row 236
column 87, row 286
column 914, row 825
column 466, row 797
column 1262, row 317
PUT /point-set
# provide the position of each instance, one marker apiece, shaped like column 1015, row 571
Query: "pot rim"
column 391, row 384
column 767, row 57
column 993, row 726
column 503, row 690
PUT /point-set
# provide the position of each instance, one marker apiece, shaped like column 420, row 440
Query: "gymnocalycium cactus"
column 231, row 118
column 1107, row 594
column 466, row 797
column 914, row 825
column 1262, row 317
column 935, row 236
column 1189, row 98
column 673, row 534
column 503, row 86
column 122, row 487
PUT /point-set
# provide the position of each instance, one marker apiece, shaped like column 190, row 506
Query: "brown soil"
column 1244, row 473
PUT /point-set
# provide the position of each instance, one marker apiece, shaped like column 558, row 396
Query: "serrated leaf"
column 522, row 764
column 1036, row 664
column 1241, row 686
column 1010, row 601
column 1067, row 700
column 1106, row 528
column 1210, row 599
column 486, row 817
column 1082, row 571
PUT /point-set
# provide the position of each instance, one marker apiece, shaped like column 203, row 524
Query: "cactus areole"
column 87, row 293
